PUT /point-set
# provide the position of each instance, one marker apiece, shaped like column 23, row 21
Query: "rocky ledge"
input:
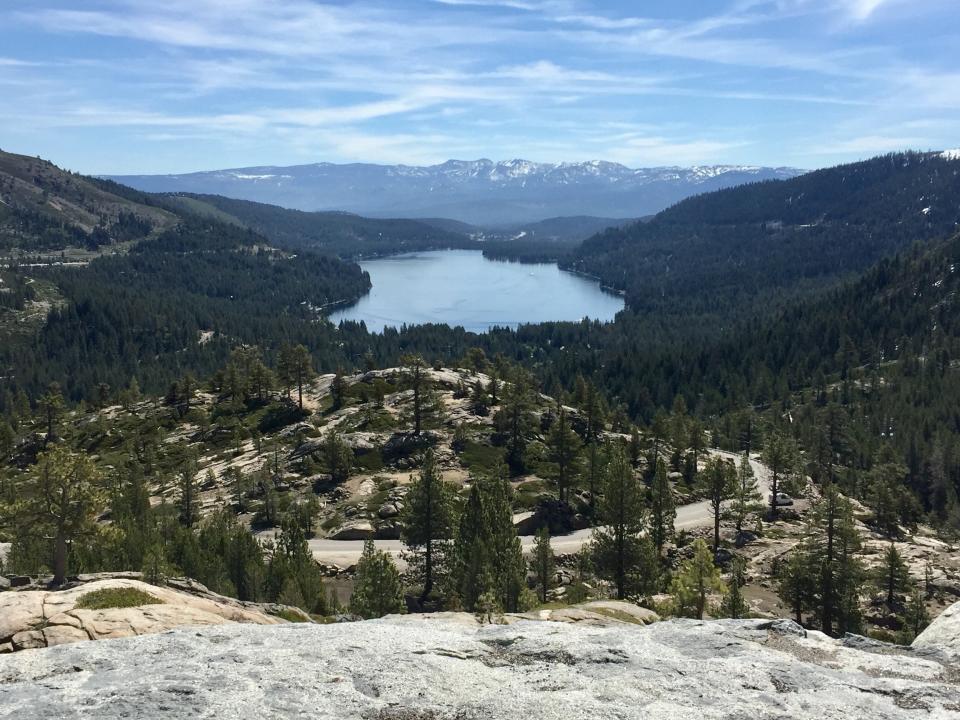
column 39, row 618
column 451, row 668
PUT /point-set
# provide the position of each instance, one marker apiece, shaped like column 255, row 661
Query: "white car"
column 782, row 499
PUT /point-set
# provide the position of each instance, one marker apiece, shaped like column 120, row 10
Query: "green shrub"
column 116, row 598
column 291, row 616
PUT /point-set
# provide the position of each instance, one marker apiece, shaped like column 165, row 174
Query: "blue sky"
column 130, row 86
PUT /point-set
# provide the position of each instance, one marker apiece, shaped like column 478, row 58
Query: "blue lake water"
column 461, row 287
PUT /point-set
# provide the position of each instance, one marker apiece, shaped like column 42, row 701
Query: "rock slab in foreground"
column 943, row 635
column 407, row 669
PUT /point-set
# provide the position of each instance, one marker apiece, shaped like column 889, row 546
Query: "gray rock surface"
column 354, row 530
column 942, row 635
column 450, row 668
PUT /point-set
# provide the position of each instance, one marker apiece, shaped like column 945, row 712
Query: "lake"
column 461, row 287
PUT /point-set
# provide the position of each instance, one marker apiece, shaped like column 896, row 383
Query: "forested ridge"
column 740, row 247
column 336, row 233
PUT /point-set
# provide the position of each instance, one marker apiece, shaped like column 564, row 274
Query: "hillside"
column 775, row 239
column 45, row 208
column 241, row 458
column 107, row 285
column 337, row 233
column 480, row 192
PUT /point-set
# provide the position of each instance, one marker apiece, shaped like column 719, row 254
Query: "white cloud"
column 548, row 78
column 861, row 10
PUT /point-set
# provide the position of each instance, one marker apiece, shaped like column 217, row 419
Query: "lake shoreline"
column 462, row 287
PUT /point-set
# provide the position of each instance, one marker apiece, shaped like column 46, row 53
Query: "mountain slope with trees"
column 43, row 207
column 335, row 233
column 739, row 248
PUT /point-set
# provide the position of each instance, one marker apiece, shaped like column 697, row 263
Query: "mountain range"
column 479, row 192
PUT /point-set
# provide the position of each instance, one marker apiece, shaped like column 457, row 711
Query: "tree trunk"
column 620, row 569
column 428, row 559
column 774, row 485
column 716, row 531
column 427, row 573
column 60, row 558
column 416, row 407
column 827, row 615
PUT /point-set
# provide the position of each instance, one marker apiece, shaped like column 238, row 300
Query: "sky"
column 162, row 86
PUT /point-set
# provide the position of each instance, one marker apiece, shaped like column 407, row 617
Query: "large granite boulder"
column 942, row 635
column 42, row 618
column 359, row 529
column 402, row 668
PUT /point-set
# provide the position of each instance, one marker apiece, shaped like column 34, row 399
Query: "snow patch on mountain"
column 480, row 192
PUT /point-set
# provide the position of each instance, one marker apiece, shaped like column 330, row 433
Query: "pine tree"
column 746, row 500
column 718, row 483
column 916, row 617
column 892, row 576
column 52, row 407
column 479, row 400
column 377, row 590
column 798, row 582
column 62, row 503
column 780, row 455
column 634, row 446
column 240, row 485
column 616, row 545
column 295, row 368
column 697, row 578
column 337, row 456
column 427, row 522
column 543, row 563
column 293, row 578
column 658, row 430
column 851, row 575
column 513, row 419
column 663, row 510
column 564, row 446
column 595, row 459
column 425, row 406
column 493, row 388
column 594, row 412
column 734, row 605
column 8, row 439
column 697, row 442
column 509, row 567
column 834, row 540
column 338, row 388
column 472, row 564
column 488, row 558
column 189, row 500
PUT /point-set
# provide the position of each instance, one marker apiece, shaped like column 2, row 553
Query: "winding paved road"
column 344, row 553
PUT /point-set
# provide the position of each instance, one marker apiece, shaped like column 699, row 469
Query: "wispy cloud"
column 862, row 9
column 553, row 79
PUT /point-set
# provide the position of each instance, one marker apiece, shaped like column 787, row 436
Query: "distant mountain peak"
column 480, row 192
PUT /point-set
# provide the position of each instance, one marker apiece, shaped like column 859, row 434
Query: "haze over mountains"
column 480, row 192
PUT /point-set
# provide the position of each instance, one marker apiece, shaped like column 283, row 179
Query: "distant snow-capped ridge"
column 518, row 168
column 951, row 154
column 479, row 192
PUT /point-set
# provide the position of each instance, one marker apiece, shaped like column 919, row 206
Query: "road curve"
column 345, row 553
